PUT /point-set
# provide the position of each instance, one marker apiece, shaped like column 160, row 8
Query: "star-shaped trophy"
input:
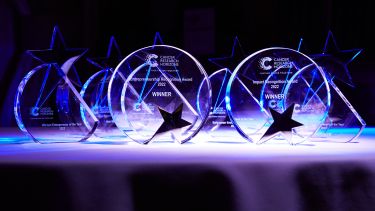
column 282, row 123
column 95, row 90
column 219, row 126
column 226, row 64
column 341, row 115
column 335, row 61
column 47, row 104
column 172, row 120
column 58, row 54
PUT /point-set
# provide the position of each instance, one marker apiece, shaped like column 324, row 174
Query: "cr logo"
column 151, row 60
column 297, row 108
column 137, row 107
column 275, row 104
column 264, row 63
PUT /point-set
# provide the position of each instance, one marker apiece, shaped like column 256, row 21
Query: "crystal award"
column 343, row 123
column 47, row 105
column 218, row 126
column 277, row 93
column 158, row 100
column 94, row 92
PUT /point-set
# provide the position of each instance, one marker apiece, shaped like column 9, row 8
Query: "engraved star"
column 335, row 61
column 111, row 60
column 230, row 62
column 172, row 120
column 58, row 54
column 283, row 123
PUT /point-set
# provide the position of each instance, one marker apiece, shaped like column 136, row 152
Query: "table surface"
column 16, row 147
column 201, row 175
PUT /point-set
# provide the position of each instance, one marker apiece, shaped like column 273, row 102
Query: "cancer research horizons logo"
column 268, row 63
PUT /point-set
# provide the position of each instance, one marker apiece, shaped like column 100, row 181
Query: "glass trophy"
column 277, row 93
column 47, row 105
column 158, row 100
column 218, row 126
column 343, row 123
column 94, row 92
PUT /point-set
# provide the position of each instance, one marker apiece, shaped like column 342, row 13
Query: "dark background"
column 204, row 28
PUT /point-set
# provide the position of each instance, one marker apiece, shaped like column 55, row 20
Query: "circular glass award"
column 47, row 107
column 94, row 92
column 218, row 125
column 277, row 92
column 159, row 100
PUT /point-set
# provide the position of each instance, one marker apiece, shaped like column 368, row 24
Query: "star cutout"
column 58, row 54
column 230, row 62
column 111, row 60
column 171, row 120
column 282, row 123
column 335, row 61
